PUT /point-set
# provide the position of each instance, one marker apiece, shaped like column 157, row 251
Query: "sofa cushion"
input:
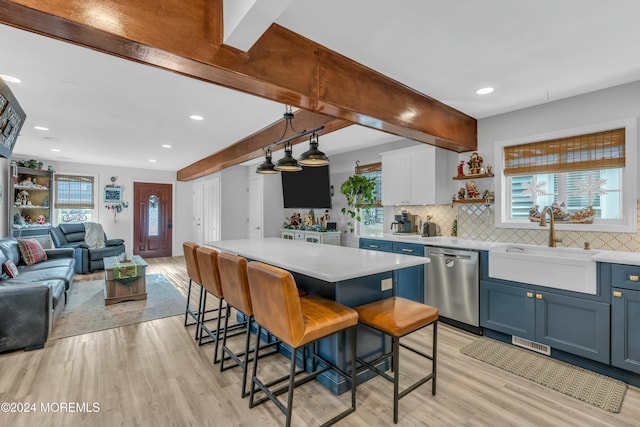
column 10, row 269
column 9, row 249
column 32, row 251
column 60, row 273
column 49, row 263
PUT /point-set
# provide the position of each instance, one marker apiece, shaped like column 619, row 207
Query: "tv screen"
column 307, row 189
column 11, row 119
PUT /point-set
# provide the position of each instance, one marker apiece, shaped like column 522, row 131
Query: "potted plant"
column 360, row 192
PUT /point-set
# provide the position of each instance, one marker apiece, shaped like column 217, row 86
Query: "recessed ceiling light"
column 10, row 79
column 56, row 150
column 166, row 146
column 484, row 90
column 196, row 117
column 152, row 160
column 41, row 128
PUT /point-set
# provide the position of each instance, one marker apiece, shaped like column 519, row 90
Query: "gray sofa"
column 87, row 260
column 31, row 303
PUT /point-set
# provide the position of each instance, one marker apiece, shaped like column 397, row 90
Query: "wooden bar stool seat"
column 199, row 315
column 298, row 322
column 210, row 275
column 398, row 317
column 235, row 288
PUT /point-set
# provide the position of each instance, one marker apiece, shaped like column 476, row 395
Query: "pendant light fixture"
column 313, row 157
column 288, row 163
column 267, row 167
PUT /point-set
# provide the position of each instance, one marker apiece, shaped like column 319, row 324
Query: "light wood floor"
column 153, row 374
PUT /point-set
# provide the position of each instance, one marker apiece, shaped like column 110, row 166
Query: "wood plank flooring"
column 154, row 374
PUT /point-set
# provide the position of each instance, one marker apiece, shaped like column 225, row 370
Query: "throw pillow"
column 10, row 268
column 32, row 251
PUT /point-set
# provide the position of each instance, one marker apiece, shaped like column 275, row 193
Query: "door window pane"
column 153, row 216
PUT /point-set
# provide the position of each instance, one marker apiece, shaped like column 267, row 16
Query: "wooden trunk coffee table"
column 124, row 280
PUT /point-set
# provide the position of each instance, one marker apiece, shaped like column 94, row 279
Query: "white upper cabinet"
column 419, row 175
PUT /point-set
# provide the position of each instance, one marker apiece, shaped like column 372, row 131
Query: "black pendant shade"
column 313, row 156
column 288, row 163
column 267, row 167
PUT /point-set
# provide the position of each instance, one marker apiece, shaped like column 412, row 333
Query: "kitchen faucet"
column 552, row 228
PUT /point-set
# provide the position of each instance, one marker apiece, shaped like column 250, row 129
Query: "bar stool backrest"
column 235, row 285
column 191, row 260
column 276, row 303
column 209, row 272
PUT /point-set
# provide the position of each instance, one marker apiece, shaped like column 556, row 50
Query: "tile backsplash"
column 476, row 222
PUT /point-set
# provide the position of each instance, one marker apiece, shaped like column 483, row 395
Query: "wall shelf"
column 470, row 201
column 480, row 175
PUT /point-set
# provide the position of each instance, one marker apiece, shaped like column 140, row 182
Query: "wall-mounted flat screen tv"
column 11, row 119
column 309, row 188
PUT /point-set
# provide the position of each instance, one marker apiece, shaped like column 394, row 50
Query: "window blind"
column 74, row 192
column 600, row 150
column 373, row 170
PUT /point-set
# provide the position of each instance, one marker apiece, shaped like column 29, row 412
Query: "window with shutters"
column 595, row 170
column 372, row 218
column 74, row 198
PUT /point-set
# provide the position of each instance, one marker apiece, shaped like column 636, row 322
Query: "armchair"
column 87, row 260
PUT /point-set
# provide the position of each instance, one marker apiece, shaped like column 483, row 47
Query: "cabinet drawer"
column 625, row 276
column 299, row 236
column 408, row 248
column 376, row 245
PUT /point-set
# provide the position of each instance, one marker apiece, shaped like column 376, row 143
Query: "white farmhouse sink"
column 560, row 268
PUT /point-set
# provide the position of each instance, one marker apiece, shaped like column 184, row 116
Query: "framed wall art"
column 112, row 194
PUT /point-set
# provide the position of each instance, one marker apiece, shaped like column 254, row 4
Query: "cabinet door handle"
column 529, row 294
column 538, row 296
column 617, row 294
column 407, row 250
column 374, row 246
column 633, row 278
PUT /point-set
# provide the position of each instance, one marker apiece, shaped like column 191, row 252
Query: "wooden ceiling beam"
column 186, row 37
column 251, row 146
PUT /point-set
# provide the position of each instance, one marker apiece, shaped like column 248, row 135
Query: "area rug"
column 85, row 311
column 596, row 389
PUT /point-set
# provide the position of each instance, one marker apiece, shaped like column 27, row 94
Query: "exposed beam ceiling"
column 323, row 82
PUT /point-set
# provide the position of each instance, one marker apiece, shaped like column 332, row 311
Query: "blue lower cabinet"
column 376, row 245
column 575, row 325
column 507, row 309
column 409, row 282
column 568, row 323
column 625, row 318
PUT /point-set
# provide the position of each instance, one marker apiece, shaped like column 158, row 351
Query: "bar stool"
column 298, row 322
column 235, row 288
column 210, row 275
column 193, row 271
column 399, row 317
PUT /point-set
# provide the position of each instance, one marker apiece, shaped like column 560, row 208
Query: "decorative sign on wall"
column 112, row 194
column 12, row 117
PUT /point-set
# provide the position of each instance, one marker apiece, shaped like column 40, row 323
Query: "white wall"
column 596, row 107
column 123, row 229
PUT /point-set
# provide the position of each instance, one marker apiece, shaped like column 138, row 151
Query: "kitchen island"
column 350, row 276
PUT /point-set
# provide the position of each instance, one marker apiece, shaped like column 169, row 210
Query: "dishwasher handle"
column 449, row 254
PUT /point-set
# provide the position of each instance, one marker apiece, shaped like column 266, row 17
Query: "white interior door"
column 211, row 209
column 206, row 210
column 196, row 223
column 255, row 208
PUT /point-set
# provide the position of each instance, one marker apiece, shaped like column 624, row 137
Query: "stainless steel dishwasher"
column 452, row 284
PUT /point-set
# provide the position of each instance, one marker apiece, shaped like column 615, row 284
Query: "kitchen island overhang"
column 350, row 276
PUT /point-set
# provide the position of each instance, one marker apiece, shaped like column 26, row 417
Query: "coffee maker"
column 404, row 223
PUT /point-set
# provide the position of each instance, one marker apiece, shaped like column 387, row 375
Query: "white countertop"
column 453, row 242
column 599, row 255
column 325, row 262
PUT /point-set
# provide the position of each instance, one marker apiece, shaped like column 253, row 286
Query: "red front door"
column 152, row 215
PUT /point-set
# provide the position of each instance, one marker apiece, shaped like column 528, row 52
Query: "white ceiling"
column 105, row 110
